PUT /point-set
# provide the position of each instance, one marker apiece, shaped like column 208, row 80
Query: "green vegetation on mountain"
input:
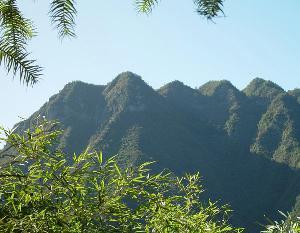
column 245, row 144
column 217, row 88
column 262, row 88
column 279, row 131
column 296, row 93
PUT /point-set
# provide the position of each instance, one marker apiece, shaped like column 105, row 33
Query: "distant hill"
column 246, row 144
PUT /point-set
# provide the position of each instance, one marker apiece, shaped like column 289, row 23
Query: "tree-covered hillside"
column 244, row 143
column 296, row 93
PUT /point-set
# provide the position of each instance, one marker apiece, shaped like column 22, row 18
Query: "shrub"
column 288, row 225
column 48, row 191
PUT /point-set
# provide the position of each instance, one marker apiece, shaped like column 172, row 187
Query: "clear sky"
column 257, row 38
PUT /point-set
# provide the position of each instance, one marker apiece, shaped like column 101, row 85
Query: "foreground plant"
column 290, row 224
column 48, row 191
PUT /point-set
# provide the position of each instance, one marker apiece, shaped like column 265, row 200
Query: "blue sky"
column 256, row 39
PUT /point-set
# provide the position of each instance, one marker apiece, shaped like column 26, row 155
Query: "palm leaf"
column 146, row 6
column 16, row 31
column 63, row 14
column 209, row 8
column 17, row 62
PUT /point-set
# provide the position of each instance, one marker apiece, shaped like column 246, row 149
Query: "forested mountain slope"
column 246, row 144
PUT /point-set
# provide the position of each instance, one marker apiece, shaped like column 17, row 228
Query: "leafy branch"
column 146, row 6
column 17, row 62
column 16, row 31
column 62, row 13
column 207, row 8
column 55, row 192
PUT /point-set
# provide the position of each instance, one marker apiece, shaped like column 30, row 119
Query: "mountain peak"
column 295, row 93
column 175, row 87
column 128, row 75
column 128, row 89
column 124, row 80
column 185, row 132
column 263, row 88
column 76, row 85
column 213, row 87
column 77, row 91
column 180, row 94
column 175, row 83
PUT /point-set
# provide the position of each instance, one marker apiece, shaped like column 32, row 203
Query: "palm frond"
column 209, row 8
column 63, row 13
column 17, row 62
column 16, row 31
column 145, row 6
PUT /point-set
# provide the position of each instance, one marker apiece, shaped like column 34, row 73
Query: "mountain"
column 278, row 131
column 263, row 89
column 296, row 93
column 244, row 143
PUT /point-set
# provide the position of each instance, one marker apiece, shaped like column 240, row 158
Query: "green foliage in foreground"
column 288, row 225
column 42, row 191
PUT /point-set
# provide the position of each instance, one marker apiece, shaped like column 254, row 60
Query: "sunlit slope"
column 244, row 143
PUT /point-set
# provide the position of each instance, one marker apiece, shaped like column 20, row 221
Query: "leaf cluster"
column 63, row 14
column 43, row 190
column 207, row 8
column 17, row 30
column 287, row 225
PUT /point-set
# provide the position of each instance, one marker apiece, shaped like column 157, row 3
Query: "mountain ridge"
column 212, row 129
